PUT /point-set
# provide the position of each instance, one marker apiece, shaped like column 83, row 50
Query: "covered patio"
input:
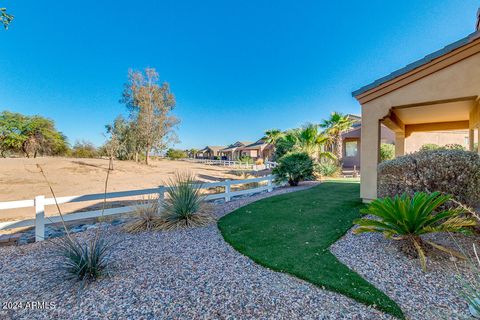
column 437, row 93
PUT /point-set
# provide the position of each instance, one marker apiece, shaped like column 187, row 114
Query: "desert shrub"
column 387, row 151
column 409, row 218
column 327, row 168
column 429, row 147
column 176, row 154
column 245, row 160
column 294, row 167
column 84, row 149
column 184, row 206
column 433, row 146
column 452, row 172
column 146, row 216
column 84, row 261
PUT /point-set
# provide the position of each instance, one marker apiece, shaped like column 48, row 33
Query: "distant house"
column 258, row 150
column 209, row 152
column 352, row 142
column 233, row 151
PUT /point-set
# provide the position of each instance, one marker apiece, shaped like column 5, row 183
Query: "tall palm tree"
column 334, row 127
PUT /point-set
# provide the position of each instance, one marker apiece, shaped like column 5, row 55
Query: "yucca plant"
column 146, row 216
column 184, row 205
column 408, row 218
column 84, row 261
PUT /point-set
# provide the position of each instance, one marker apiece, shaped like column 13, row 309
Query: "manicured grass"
column 292, row 233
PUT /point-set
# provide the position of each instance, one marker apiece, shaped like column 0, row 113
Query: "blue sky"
column 236, row 68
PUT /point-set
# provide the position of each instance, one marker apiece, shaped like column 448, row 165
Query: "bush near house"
column 294, row 167
column 327, row 168
column 454, row 172
column 433, row 146
column 387, row 151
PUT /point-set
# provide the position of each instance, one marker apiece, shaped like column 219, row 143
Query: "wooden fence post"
column 227, row 190
column 39, row 218
column 269, row 183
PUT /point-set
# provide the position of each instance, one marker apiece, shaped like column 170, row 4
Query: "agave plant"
column 184, row 206
column 408, row 218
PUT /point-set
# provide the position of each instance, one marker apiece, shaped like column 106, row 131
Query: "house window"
column 351, row 148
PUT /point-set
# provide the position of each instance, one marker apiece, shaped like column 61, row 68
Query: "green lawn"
column 292, row 233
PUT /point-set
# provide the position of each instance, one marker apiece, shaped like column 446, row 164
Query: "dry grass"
column 146, row 216
column 20, row 179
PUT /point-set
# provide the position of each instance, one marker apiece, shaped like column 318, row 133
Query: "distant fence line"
column 234, row 163
column 39, row 203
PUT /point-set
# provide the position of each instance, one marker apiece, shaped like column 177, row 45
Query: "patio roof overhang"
column 437, row 93
column 432, row 116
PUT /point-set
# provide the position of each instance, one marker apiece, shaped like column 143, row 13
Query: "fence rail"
column 235, row 163
column 40, row 202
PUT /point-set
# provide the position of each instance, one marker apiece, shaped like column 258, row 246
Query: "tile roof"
column 451, row 47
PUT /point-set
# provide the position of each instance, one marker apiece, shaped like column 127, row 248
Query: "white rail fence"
column 40, row 202
column 234, row 163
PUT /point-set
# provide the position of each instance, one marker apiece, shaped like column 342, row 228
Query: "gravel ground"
column 436, row 294
column 190, row 274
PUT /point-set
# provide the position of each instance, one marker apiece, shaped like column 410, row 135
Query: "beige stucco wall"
column 459, row 80
column 417, row 139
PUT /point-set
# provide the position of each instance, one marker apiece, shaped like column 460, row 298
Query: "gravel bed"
column 435, row 294
column 189, row 274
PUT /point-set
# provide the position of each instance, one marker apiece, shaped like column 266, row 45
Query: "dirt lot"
column 20, row 179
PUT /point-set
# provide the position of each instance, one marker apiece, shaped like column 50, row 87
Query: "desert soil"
column 20, row 179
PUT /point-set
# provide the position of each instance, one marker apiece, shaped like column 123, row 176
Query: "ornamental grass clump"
column 184, row 205
column 453, row 172
column 146, row 216
column 408, row 218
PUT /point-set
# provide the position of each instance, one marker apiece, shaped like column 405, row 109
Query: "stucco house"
column 437, row 93
column 351, row 140
column 233, row 151
column 258, row 150
column 209, row 152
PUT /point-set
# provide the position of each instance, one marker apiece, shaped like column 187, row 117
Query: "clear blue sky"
column 236, row 68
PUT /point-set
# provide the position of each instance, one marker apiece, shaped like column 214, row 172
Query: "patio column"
column 369, row 156
column 471, row 135
column 478, row 140
column 399, row 144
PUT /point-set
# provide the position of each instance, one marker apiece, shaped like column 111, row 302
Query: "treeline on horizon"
column 148, row 128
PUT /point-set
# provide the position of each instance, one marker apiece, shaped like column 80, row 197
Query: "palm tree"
column 272, row 136
column 310, row 140
column 334, row 127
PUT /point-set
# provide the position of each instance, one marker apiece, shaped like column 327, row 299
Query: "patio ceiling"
column 435, row 112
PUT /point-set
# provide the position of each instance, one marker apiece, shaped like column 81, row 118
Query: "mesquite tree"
column 150, row 104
